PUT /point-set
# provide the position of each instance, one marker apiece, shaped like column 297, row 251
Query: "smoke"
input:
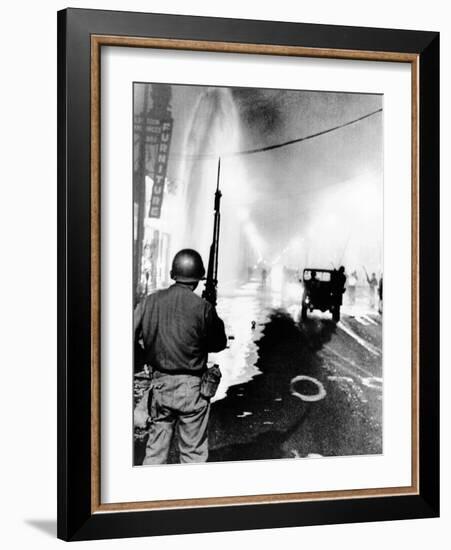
column 318, row 201
column 260, row 110
column 214, row 131
column 345, row 227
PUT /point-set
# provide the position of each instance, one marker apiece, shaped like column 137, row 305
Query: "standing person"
column 380, row 294
column 313, row 285
column 351, row 287
column 372, row 288
column 178, row 329
column 338, row 284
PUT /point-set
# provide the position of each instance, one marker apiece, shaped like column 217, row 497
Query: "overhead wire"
column 305, row 138
column 279, row 145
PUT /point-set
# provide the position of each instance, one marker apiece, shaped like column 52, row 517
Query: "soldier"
column 338, row 284
column 313, row 284
column 178, row 329
column 372, row 288
column 351, row 287
column 380, row 294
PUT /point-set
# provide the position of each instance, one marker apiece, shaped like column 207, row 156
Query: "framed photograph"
column 248, row 274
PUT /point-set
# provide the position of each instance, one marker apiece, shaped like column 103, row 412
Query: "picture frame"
column 81, row 35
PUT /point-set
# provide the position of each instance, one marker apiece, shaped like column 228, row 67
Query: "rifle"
column 210, row 291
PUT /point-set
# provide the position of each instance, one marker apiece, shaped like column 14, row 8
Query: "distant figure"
column 264, row 276
column 351, row 286
column 338, row 284
column 379, row 292
column 313, row 285
column 372, row 288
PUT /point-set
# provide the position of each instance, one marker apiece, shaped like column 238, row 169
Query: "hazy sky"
column 324, row 195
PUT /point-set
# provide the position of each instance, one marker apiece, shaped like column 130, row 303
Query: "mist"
column 317, row 203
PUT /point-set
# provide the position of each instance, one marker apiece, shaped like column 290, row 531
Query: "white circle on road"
column 315, row 397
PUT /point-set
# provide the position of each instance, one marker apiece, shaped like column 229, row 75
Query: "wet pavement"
column 292, row 389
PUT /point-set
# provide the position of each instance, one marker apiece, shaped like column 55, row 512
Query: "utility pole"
column 153, row 130
column 140, row 198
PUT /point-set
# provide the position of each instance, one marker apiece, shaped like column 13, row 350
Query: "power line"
column 283, row 144
column 299, row 140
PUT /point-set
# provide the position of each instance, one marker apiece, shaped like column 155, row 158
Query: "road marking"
column 369, row 381
column 338, row 378
column 362, row 320
column 373, row 382
column 368, row 318
column 358, row 339
column 349, row 361
column 340, row 366
column 311, row 398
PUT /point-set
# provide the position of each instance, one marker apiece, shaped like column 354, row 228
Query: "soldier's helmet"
column 187, row 266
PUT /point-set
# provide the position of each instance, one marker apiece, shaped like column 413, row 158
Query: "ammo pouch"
column 141, row 412
column 210, row 381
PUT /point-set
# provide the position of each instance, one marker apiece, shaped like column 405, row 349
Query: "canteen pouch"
column 150, row 402
column 141, row 413
column 210, row 381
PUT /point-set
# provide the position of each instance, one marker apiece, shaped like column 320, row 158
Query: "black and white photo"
column 257, row 273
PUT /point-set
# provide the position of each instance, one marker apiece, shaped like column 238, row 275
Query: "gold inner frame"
column 97, row 41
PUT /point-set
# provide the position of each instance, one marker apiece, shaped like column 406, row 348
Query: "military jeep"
column 321, row 291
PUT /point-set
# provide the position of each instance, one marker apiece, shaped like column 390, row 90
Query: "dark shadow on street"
column 286, row 349
column 255, row 420
column 267, row 445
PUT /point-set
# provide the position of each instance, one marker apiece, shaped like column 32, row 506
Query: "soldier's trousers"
column 176, row 405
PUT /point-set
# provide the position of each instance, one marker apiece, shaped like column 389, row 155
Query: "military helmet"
column 187, row 266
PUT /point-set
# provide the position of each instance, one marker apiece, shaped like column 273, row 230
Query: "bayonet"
column 211, row 284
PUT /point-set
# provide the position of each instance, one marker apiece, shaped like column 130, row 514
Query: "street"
column 265, row 408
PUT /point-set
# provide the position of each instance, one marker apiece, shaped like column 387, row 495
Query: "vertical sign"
column 160, row 164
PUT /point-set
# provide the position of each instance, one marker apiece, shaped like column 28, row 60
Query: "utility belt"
column 198, row 373
column 209, row 382
column 209, row 378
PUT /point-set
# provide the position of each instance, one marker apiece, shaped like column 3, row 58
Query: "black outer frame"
column 75, row 520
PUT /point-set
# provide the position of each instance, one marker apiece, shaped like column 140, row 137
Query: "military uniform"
column 178, row 329
column 372, row 283
column 338, row 284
